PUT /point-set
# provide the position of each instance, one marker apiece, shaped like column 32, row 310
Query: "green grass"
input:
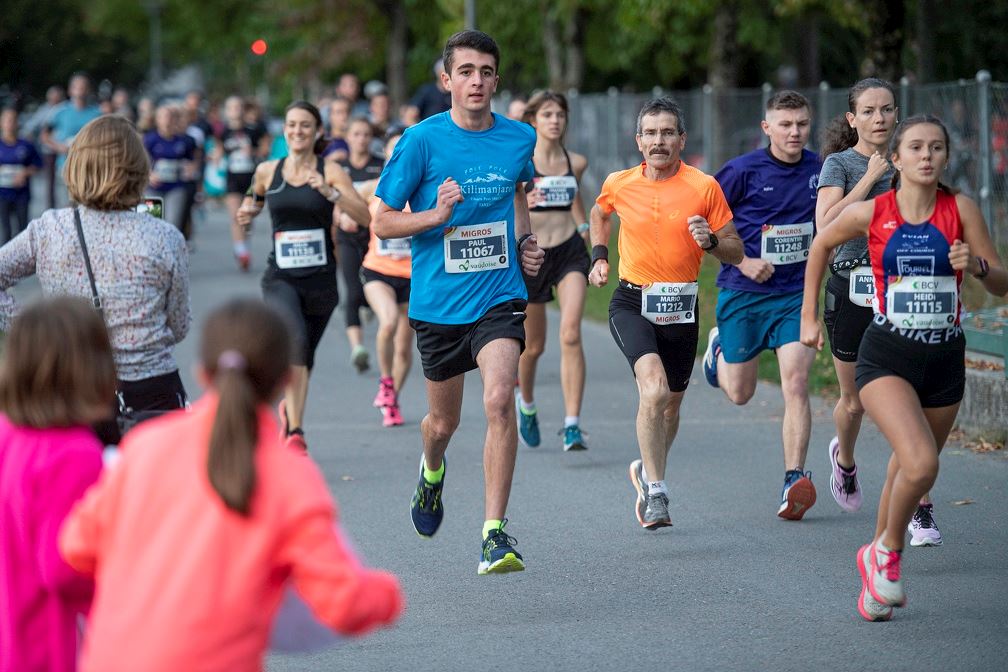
column 822, row 379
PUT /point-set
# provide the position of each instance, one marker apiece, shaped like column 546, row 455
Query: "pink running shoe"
column 244, row 261
column 297, row 442
column 391, row 416
column 869, row 608
column 386, row 393
column 843, row 484
column 885, row 582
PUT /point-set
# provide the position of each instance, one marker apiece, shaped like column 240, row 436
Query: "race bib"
column 240, row 162
column 558, row 190
column 481, row 247
column 8, row 173
column 669, row 302
column 395, row 247
column 168, row 170
column 921, row 301
column 786, row 243
column 862, row 287
column 300, row 249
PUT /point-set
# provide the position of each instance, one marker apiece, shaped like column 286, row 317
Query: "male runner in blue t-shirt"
column 772, row 193
column 461, row 173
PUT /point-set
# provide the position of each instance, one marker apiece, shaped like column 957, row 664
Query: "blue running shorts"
column 750, row 322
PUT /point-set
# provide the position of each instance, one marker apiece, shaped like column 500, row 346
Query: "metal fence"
column 720, row 125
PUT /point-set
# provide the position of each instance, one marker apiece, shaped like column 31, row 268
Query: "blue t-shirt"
column 67, row 122
column 13, row 159
column 447, row 287
column 167, row 156
column 767, row 193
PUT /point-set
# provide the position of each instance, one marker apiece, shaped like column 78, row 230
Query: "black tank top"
column 371, row 170
column 558, row 190
column 301, row 217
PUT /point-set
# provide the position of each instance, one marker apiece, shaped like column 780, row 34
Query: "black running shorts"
column 675, row 344
column 308, row 303
column 449, row 350
column 933, row 361
column 401, row 286
column 239, row 183
column 570, row 256
column 845, row 322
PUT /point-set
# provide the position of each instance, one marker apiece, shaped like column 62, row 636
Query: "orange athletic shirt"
column 655, row 244
column 395, row 266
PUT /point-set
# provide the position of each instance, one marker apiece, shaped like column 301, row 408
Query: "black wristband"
column 521, row 240
column 984, row 269
column 600, row 252
column 713, row 242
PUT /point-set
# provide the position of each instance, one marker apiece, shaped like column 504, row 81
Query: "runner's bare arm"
column 601, row 227
column 531, row 256
column 830, row 201
column 579, row 164
column 977, row 245
column 392, row 223
column 349, row 200
column 253, row 202
column 729, row 248
column 852, row 223
column 522, row 221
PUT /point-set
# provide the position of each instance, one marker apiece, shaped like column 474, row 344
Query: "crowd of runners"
column 456, row 231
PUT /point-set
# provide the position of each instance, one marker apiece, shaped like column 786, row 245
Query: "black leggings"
column 308, row 302
column 352, row 248
column 159, row 393
column 13, row 219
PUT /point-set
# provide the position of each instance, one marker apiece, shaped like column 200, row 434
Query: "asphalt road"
column 729, row 587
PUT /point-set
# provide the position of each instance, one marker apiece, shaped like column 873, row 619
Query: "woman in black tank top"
column 300, row 277
column 559, row 222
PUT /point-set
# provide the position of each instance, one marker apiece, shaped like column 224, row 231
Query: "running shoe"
column 884, row 581
column 922, row 527
column 843, row 484
column 710, row 357
column 869, row 608
column 498, row 555
column 282, row 412
column 359, row 358
column 391, row 417
column 297, row 441
column 798, row 495
column 386, row 393
column 426, row 509
column 573, row 438
column 244, row 261
column 652, row 510
column 528, row 425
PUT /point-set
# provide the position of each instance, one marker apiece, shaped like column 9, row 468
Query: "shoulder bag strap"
column 95, row 299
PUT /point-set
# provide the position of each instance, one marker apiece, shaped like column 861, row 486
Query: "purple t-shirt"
column 773, row 204
column 13, row 159
column 167, row 158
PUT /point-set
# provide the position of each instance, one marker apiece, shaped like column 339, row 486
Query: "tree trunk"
column 551, row 46
column 574, row 32
column 925, row 42
column 722, row 75
column 395, row 53
column 884, row 57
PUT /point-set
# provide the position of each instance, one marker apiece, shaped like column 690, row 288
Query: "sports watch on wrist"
column 713, row 242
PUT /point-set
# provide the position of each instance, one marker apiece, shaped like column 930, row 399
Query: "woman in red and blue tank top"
column 911, row 364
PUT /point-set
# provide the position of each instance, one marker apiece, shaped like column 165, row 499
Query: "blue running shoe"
column 710, row 357
column 499, row 555
column 426, row 509
column 573, row 439
column 528, row 425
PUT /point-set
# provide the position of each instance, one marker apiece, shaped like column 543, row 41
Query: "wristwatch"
column 713, row 242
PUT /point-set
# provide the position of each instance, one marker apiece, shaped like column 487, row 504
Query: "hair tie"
column 231, row 360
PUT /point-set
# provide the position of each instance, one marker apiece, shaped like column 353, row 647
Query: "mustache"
column 664, row 152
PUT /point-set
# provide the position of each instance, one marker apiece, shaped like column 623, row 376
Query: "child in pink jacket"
column 192, row 536
column 57, row 378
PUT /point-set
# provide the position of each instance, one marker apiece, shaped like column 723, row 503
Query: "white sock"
column 657, row 487
column 240, row 248
column 570, row 420
column 528, row 408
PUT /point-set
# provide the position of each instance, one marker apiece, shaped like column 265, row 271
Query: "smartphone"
column 152, row 205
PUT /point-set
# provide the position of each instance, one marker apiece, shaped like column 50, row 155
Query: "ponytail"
column 837, row 136
column 230, row 463
column 246, row 351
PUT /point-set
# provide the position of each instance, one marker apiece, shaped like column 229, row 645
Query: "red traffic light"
column 259, row 47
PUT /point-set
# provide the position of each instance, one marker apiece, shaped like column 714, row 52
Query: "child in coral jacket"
column 192, row 536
